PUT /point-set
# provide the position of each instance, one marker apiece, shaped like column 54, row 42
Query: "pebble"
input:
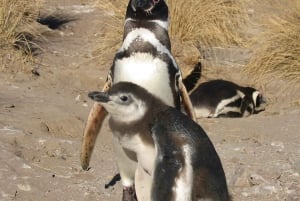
column 256, row 179
column 24, row 187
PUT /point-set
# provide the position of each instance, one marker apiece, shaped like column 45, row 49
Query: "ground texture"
column 42, row 118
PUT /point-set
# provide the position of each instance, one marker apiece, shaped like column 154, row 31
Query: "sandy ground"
column 42, row 120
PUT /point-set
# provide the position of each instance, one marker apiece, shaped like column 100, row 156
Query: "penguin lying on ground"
column 180, row 158
column 145, row 59
column 221, row 98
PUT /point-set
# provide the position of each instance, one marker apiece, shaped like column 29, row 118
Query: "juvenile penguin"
column 185, row 166
column 144, row 59
column 221, row 98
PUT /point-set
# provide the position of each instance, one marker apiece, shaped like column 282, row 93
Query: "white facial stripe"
column 254, row 97
column 183, row 186
column 147, row 36
column 146, row 71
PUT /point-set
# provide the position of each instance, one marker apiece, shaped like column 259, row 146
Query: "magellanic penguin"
column 185, row 165
column 144, row 59
column 221, row 98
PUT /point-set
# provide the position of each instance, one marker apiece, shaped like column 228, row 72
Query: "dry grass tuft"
column 111, row 39
column 209, row 23
column 194, row 24
column 16, row 18
column 276, row 51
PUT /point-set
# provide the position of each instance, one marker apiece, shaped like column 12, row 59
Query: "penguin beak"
column 262, row 100
column 141, row 4
column 101, row 97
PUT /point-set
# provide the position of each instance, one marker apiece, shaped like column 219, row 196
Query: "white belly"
column 145, row 153
column 147, row 71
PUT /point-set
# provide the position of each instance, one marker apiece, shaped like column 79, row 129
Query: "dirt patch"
column 42, row 118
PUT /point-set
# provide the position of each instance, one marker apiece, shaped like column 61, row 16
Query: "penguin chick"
column 186, row 165
column 221, row 98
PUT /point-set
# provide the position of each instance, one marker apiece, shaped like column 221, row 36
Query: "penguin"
column 222, row 98
column 145, row 59
column 180, row 158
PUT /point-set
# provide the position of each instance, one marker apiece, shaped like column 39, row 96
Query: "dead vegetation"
column 276, row 49
column 208, row 23
column 17, row 33
column 196, row 27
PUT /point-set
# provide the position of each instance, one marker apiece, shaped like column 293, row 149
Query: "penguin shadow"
column 113, row 181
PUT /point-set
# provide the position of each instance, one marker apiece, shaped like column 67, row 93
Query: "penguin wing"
column 167, row 163
column 186, row 101
column 93, row 125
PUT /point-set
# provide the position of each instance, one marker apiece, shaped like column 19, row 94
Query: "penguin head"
column 124, row 101
column 147, row 9
column 259, row 101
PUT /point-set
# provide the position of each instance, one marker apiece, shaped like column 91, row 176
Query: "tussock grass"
column 16, row 17
column 276, row 51
column 194, row 24
column 208, row 22
column 111, row 39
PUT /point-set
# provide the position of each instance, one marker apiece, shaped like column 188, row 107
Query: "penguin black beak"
column 262, row 100
column 101, row 97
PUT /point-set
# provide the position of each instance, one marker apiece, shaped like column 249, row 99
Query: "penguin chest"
column 146, row 71
column 145, row 152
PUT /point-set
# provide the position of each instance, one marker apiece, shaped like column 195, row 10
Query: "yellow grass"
column 276, row 51
column 193, row 23
column 14, row 16
column 207, row 22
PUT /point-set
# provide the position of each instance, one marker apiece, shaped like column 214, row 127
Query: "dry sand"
column 42, row 120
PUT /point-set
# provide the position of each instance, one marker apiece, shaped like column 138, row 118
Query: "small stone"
column 240, row 178
column 255, row 179
column 78, row 98
column 44, row 127
column 24, row 187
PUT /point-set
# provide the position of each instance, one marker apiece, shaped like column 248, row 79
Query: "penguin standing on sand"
column 187, row 166
column 144, row 59
column 221, row 98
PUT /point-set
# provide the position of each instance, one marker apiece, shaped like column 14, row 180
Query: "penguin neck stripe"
column 148, row 36
column 161, row 23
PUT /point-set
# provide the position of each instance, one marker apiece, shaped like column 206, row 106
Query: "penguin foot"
column 129, row 194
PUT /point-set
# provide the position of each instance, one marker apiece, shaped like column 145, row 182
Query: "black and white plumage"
column 145, row 59
column 180, row 157
column 221, row 98
column 145, row 56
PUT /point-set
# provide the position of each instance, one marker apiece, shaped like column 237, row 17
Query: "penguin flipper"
column 191, row 80
column 186, row 101
column 93, row 125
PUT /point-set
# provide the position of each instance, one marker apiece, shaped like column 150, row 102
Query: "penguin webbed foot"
column 129, row 194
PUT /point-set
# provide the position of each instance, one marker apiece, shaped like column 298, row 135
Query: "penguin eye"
column 124, row 98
